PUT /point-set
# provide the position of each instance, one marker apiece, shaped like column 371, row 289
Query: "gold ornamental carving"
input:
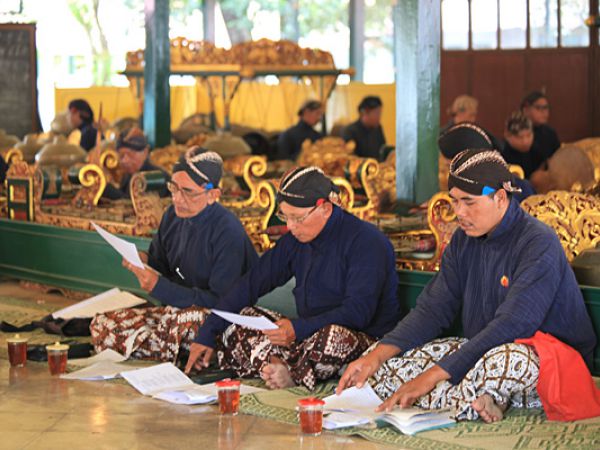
column 249, row 168
column 574, row 217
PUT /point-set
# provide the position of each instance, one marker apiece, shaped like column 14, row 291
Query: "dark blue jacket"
column 289, row 143
column 199, row 258
column 345, row 276
column 539, row 293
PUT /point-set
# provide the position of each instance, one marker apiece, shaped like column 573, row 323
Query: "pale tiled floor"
column 38, row 411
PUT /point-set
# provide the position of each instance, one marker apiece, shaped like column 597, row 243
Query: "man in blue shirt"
column 81, row 117
column 345, row 292
column 199, row 252
column 289, row 143
column 508, row 276
column 134, row 150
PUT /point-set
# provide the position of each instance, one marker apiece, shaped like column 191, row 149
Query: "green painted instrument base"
column 82, row 260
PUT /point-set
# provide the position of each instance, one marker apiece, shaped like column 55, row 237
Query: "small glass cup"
column 310, row 412
column 57, row 358
column 229, row 396
column 17, row 350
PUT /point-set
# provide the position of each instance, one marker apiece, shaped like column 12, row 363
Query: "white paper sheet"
column 363, row 400
column 106, row 301
column 198, row 394
column 126, row 249
column 103, row 370
column 107, row 355
column 162, row 377
column 258, row 323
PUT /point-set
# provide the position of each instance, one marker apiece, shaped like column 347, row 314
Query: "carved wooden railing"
column 574, row 217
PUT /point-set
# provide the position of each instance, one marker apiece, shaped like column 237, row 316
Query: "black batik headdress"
column 203, row 167
column 304, row 187
column 480, row 172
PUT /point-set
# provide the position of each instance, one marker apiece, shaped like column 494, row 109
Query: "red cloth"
column 565, row 384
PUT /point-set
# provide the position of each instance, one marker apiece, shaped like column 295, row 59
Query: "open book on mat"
column 355, row 407
column 166, row 382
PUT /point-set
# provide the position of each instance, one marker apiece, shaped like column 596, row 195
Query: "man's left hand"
column 282, row 336
column 146, row 277
column 410, row 392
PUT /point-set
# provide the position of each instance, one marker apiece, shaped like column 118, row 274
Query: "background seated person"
column 200, row 250
column 345, row 292
column 508, row 276
column 133, row 150
column 536, row 108
column 519, row 145
column 290, row 141
column 464, row 109
column 81, row 117
column 367, row 131
column 467, row 135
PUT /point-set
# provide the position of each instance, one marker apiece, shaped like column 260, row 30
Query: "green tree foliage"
column 86, row 13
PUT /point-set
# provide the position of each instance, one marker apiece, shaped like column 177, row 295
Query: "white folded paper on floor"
column 162, row 377
column 107, row 355
column 110, row 300
column 125, row 248
column 103, row 370
column 258, row 323
column 198, row 394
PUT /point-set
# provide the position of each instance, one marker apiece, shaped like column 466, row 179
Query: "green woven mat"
column 521, row 429
column 20, row 312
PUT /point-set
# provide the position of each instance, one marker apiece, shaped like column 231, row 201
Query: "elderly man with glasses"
column 345, row 292
column 200, row 250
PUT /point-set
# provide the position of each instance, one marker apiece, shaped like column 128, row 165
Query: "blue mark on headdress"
column 209, row 186
column 487, row 190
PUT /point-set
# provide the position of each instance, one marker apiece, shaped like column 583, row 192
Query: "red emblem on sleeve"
column 504, row 281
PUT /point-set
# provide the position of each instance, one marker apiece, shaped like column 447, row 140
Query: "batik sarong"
column 319, row 357
column 508, row 373
column 156, row 333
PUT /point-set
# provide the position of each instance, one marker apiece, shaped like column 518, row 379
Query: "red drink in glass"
column 311, row 416
column 229, row 396
column 17, row 351
column 57, row 358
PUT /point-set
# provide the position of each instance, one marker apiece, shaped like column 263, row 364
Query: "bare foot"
column 277, row 375
column 487, row 408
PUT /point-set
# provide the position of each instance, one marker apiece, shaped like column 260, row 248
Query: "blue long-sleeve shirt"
column 539, row 293
column 345, row 276
column 122, row 191
column 199, row 258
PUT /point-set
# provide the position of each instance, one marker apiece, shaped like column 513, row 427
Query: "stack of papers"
column 110, row 300
column 355, row 407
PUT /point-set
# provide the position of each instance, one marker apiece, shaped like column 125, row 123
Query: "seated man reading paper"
column 199, row 252
column 507, row 274
column 345, row 292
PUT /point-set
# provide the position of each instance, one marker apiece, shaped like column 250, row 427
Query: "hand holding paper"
column 126, row 249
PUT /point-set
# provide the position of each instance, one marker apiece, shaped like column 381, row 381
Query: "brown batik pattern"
column 318, row 357
column 508, row 373
column 158, row 333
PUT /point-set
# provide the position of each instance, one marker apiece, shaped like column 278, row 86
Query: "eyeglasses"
column 187, row 193
column 542, row 107
column 297, row 220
